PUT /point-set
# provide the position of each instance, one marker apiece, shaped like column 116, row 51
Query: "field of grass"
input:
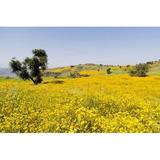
column 155, row 69
column 99, row 103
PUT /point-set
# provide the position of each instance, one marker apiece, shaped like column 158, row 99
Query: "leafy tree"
column 31, row 68
column 140, row 70
column 108, row 71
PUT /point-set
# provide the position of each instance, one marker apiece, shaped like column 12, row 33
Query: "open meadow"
column 98, row 103
column 82, row 80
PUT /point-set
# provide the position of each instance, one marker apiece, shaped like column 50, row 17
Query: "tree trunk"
column 33, row 80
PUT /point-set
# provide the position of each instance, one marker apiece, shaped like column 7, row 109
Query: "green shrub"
column 140, row 70
column 75, row 74
column 108, row 71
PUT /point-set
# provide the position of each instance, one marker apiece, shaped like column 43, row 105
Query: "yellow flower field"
column 105, row 104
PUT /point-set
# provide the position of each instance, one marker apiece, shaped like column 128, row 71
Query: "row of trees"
column 33, row 68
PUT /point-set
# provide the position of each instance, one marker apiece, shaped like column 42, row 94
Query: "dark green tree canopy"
column 31, row 68
column 108, row 71
column 139, row 70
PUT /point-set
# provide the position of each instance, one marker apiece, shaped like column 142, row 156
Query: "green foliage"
column 108, row 71
column 75, row 74
column 139, row 70
column 15, row 65
column 31, row 68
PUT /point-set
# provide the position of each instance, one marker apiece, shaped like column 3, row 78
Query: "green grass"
column 154, row 69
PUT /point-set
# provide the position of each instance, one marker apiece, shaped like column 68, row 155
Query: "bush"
column 75, row 74
column 109, row 71
column 140, row 70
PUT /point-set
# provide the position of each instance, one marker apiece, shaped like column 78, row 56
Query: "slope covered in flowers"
column 101, row 103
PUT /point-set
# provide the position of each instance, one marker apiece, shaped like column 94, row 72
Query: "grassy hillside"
column 154, row 69
column 90, row 69
column 94, row 69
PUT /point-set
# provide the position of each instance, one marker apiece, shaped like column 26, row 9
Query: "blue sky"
column 77, row 45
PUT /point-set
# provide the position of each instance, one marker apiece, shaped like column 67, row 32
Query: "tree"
column 31, row 68
column 108, row 71
column 139, row 70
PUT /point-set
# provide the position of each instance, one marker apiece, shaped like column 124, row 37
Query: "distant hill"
column 154, row 68
column 87, row 69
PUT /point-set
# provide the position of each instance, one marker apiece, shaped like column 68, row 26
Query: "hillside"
column 99, row 69
column 154, row 69
column 89, row 69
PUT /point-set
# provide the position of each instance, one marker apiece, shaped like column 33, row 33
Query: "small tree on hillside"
column 108, row 71
column 139, row 70
column 31, row 68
